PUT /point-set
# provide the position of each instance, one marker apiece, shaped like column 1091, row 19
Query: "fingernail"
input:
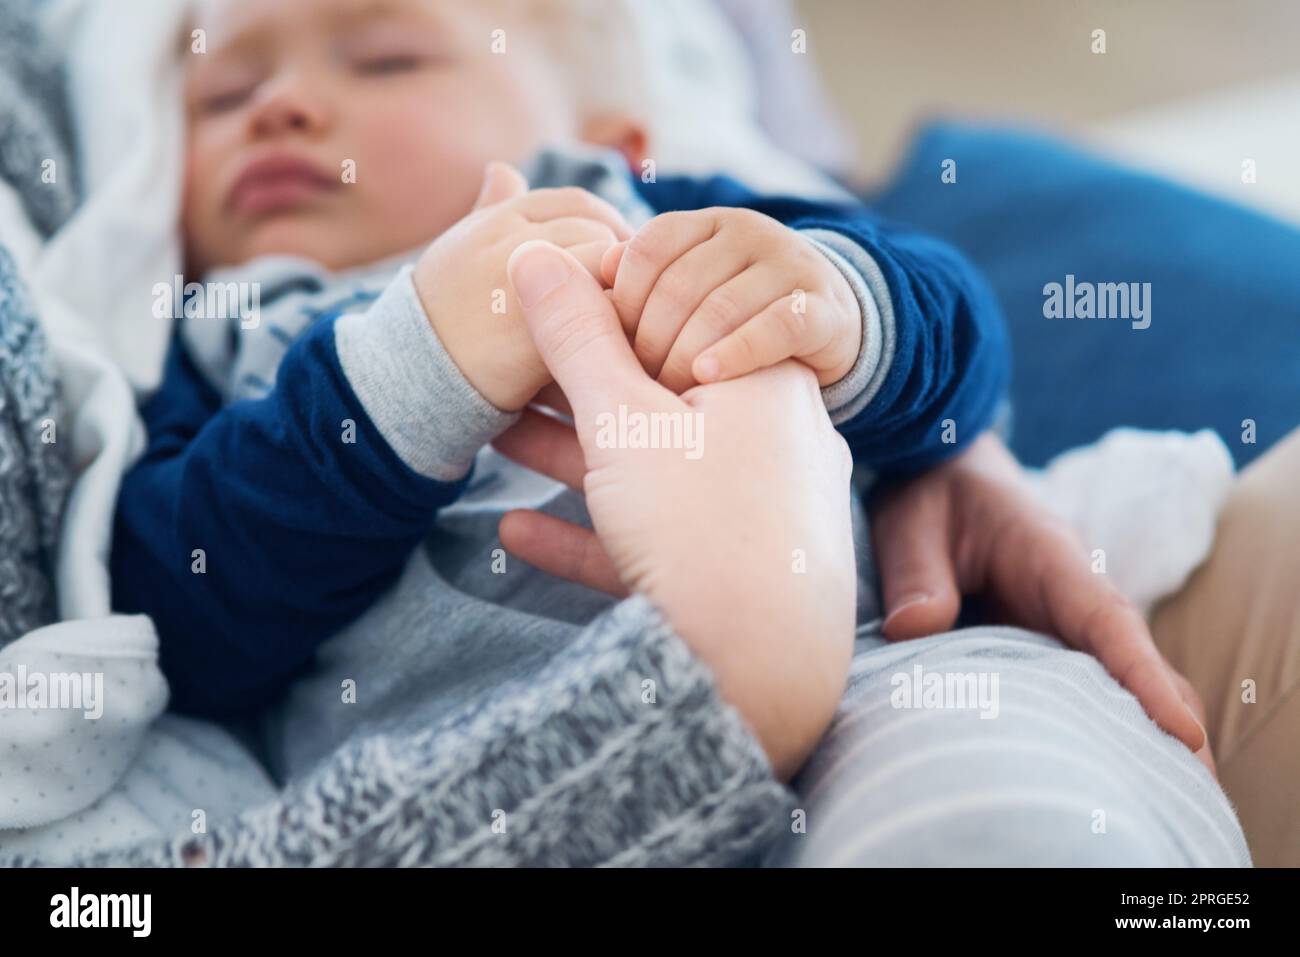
column 1205, row 735
column 536, row 268
column 909, row 600
column 707, row 368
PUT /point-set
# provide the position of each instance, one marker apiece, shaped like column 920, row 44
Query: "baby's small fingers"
column 569, row 231
column 609, row 264
column 589, row 254
column 723, row 311
column 655, row 247
column 501, row 181
column 678, row 293
column 775, row 334
column 544, row 205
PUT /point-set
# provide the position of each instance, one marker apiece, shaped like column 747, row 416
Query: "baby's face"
column 349, row 131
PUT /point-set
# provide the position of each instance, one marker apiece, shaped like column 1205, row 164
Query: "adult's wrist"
column 782, row 669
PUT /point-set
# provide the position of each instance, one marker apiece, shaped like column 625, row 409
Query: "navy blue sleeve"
column 300, row 531
column 951, row 360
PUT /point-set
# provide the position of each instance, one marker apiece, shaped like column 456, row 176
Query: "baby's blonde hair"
column 591, row 43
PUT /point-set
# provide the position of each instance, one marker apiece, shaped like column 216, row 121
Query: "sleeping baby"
column 317, row 507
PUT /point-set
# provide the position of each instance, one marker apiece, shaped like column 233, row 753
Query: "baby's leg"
column 1234, row 631
column 1065, row 769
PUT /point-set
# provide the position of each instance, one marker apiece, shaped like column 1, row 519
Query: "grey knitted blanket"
column 34, row 472
column 571, row 767
column 34, row 469
column 35, row 136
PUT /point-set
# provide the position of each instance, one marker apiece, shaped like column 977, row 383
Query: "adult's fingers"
column 910, row 531
column 552, row 396
column 546, row 445
column 1084, row 610
column 501, row 181
column 577, row 333
column 560, row 548
column 1193, row 701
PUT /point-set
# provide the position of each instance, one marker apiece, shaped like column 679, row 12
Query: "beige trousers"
column 1234, row 632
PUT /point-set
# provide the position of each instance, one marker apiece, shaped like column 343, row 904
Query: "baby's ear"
column 619, row 131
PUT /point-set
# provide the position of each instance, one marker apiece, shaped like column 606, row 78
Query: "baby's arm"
column 931, row 390
column 931, row 354
column 252, row 533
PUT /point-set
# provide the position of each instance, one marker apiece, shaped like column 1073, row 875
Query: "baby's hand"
column 715, row 293
column 462, row 284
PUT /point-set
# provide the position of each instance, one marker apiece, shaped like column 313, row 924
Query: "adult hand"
column 975, row 526
column 740, row 535
column 459, row 277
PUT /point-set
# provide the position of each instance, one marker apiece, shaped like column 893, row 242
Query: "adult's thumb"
column 916, row 567
column 576, row 330
column 501, row 181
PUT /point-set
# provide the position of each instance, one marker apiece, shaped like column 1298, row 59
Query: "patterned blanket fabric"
column 34, row 465
column 34, row 462
column 34, row 120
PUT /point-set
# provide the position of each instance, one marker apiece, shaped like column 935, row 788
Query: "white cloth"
column 64, row 750
column 703, row 110
column 124, row 82
column 184, row 775
column 1145, row 504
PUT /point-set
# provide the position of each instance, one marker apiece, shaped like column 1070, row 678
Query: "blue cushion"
column 1224, row 340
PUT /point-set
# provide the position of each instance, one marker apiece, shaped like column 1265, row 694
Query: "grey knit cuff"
column 619, row 753
column 422, row 404
column 849, row 396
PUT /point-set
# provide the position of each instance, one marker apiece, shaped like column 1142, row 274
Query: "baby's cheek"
column 202, row 224
column 423, row 182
